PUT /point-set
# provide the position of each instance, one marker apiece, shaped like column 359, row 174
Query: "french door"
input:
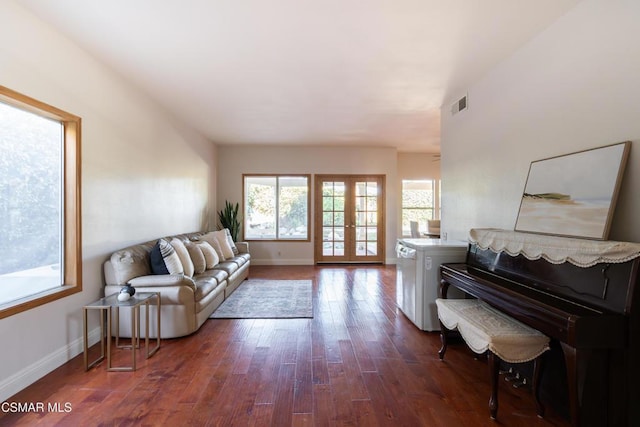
column 349, row 218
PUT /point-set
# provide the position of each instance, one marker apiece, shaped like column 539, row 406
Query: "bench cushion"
column 484, row 328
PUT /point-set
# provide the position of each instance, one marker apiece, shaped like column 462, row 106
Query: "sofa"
column 192, row 279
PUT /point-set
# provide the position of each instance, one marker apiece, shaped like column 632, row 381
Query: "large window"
column 420, row 202
column 39, row 203
column 276, row 207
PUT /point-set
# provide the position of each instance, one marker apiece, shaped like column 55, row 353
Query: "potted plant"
column 229, row 219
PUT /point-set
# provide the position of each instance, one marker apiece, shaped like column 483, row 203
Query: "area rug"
column 268, row 299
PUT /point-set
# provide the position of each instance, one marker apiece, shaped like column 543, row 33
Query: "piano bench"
column 485, row 329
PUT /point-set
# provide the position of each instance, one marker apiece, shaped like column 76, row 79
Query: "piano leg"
column 494, row 370
column 535, row 387
column 443, row 340
column 570, row 359
column 588, row 384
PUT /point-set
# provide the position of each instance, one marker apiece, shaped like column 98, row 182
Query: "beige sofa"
column 186, row 302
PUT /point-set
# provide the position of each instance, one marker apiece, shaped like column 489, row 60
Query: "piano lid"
column 556, row 250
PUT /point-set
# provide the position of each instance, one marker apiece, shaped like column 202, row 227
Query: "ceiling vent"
column 459, row 105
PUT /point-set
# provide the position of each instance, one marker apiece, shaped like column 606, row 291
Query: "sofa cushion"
column 245, row 256
column 164, row 259
column 156, row 281
column 219, row 275
column 210, row 255
column 204, row 285
column 240, row 259
column 197, row 257
column 183, row 254
column 228, row 266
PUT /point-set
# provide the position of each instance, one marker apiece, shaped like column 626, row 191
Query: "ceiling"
column 323, row 72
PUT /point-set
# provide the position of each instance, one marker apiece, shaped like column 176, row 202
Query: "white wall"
column 573, row 87
column 143, row 176
column 234, row 161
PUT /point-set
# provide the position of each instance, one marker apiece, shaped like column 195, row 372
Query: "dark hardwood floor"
column 358, row 362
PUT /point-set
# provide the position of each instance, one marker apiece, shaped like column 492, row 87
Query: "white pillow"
column 234, row 248
column 210, row 255
column 215, row 244
column 183, row 254
column 221, row 237
column 197, row 257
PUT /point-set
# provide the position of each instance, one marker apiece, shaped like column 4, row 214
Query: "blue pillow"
column 157, row 261
column 165, row 259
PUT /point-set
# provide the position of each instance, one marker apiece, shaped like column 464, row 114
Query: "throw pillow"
column 164, row 259
column 197, row 257
column 210, row 255
column 215, row 244
column 221, row 237
column 183, row 254
column 234, row 248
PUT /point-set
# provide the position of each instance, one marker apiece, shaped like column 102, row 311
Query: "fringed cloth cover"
column 556, row 250
column 484, row 328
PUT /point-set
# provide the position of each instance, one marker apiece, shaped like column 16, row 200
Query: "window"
column 40, row 243
column 419, row 200
column 276, row 207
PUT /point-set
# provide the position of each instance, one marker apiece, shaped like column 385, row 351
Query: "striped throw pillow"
column 164, row 259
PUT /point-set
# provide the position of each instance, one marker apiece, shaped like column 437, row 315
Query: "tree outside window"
column 276, row 207
column 418, row 203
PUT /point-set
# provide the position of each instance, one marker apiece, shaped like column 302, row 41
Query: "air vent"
column 459, row 105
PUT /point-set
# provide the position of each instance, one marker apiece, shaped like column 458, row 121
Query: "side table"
column 108, row 306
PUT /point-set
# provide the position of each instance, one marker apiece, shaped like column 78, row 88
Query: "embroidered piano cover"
column 556, row 250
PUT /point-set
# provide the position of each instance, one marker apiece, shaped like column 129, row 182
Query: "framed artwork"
column 573, row 195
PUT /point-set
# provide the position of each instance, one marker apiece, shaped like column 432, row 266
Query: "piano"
column 581, row 294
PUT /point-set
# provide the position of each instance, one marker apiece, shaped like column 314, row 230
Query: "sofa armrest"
column 243, row 247
column 158, row 280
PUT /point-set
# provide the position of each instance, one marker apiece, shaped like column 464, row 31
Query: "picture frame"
column 573, row 195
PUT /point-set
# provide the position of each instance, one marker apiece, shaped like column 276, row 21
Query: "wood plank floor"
column 358, row 362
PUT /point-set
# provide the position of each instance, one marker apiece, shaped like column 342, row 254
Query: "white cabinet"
column 418, row 277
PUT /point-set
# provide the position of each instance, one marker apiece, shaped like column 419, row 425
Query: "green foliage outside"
column 417, row 205
column 261, row 208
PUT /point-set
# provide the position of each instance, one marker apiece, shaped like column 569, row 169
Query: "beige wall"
column 418, row 166
column 234, row 161
column 571, row 88
column 143, row 176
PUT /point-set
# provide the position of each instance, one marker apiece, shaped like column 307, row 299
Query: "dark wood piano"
column 592, row 312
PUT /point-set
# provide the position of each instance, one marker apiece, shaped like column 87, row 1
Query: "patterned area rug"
column 268, row 299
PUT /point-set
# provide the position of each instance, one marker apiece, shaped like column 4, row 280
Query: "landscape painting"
column 573, row 195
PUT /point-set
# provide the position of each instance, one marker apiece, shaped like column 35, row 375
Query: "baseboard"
column 268, row 261
column 297, row 261
column 27, row 376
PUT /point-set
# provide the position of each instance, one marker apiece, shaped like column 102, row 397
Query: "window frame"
column 277, row 176
column 71, row 198
column 435, row 208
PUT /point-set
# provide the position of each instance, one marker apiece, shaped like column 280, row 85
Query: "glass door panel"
column 348, row 210
column 367, row 199
column 334, row 229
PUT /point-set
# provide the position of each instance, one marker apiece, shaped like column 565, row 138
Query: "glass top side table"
column 109, row 308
